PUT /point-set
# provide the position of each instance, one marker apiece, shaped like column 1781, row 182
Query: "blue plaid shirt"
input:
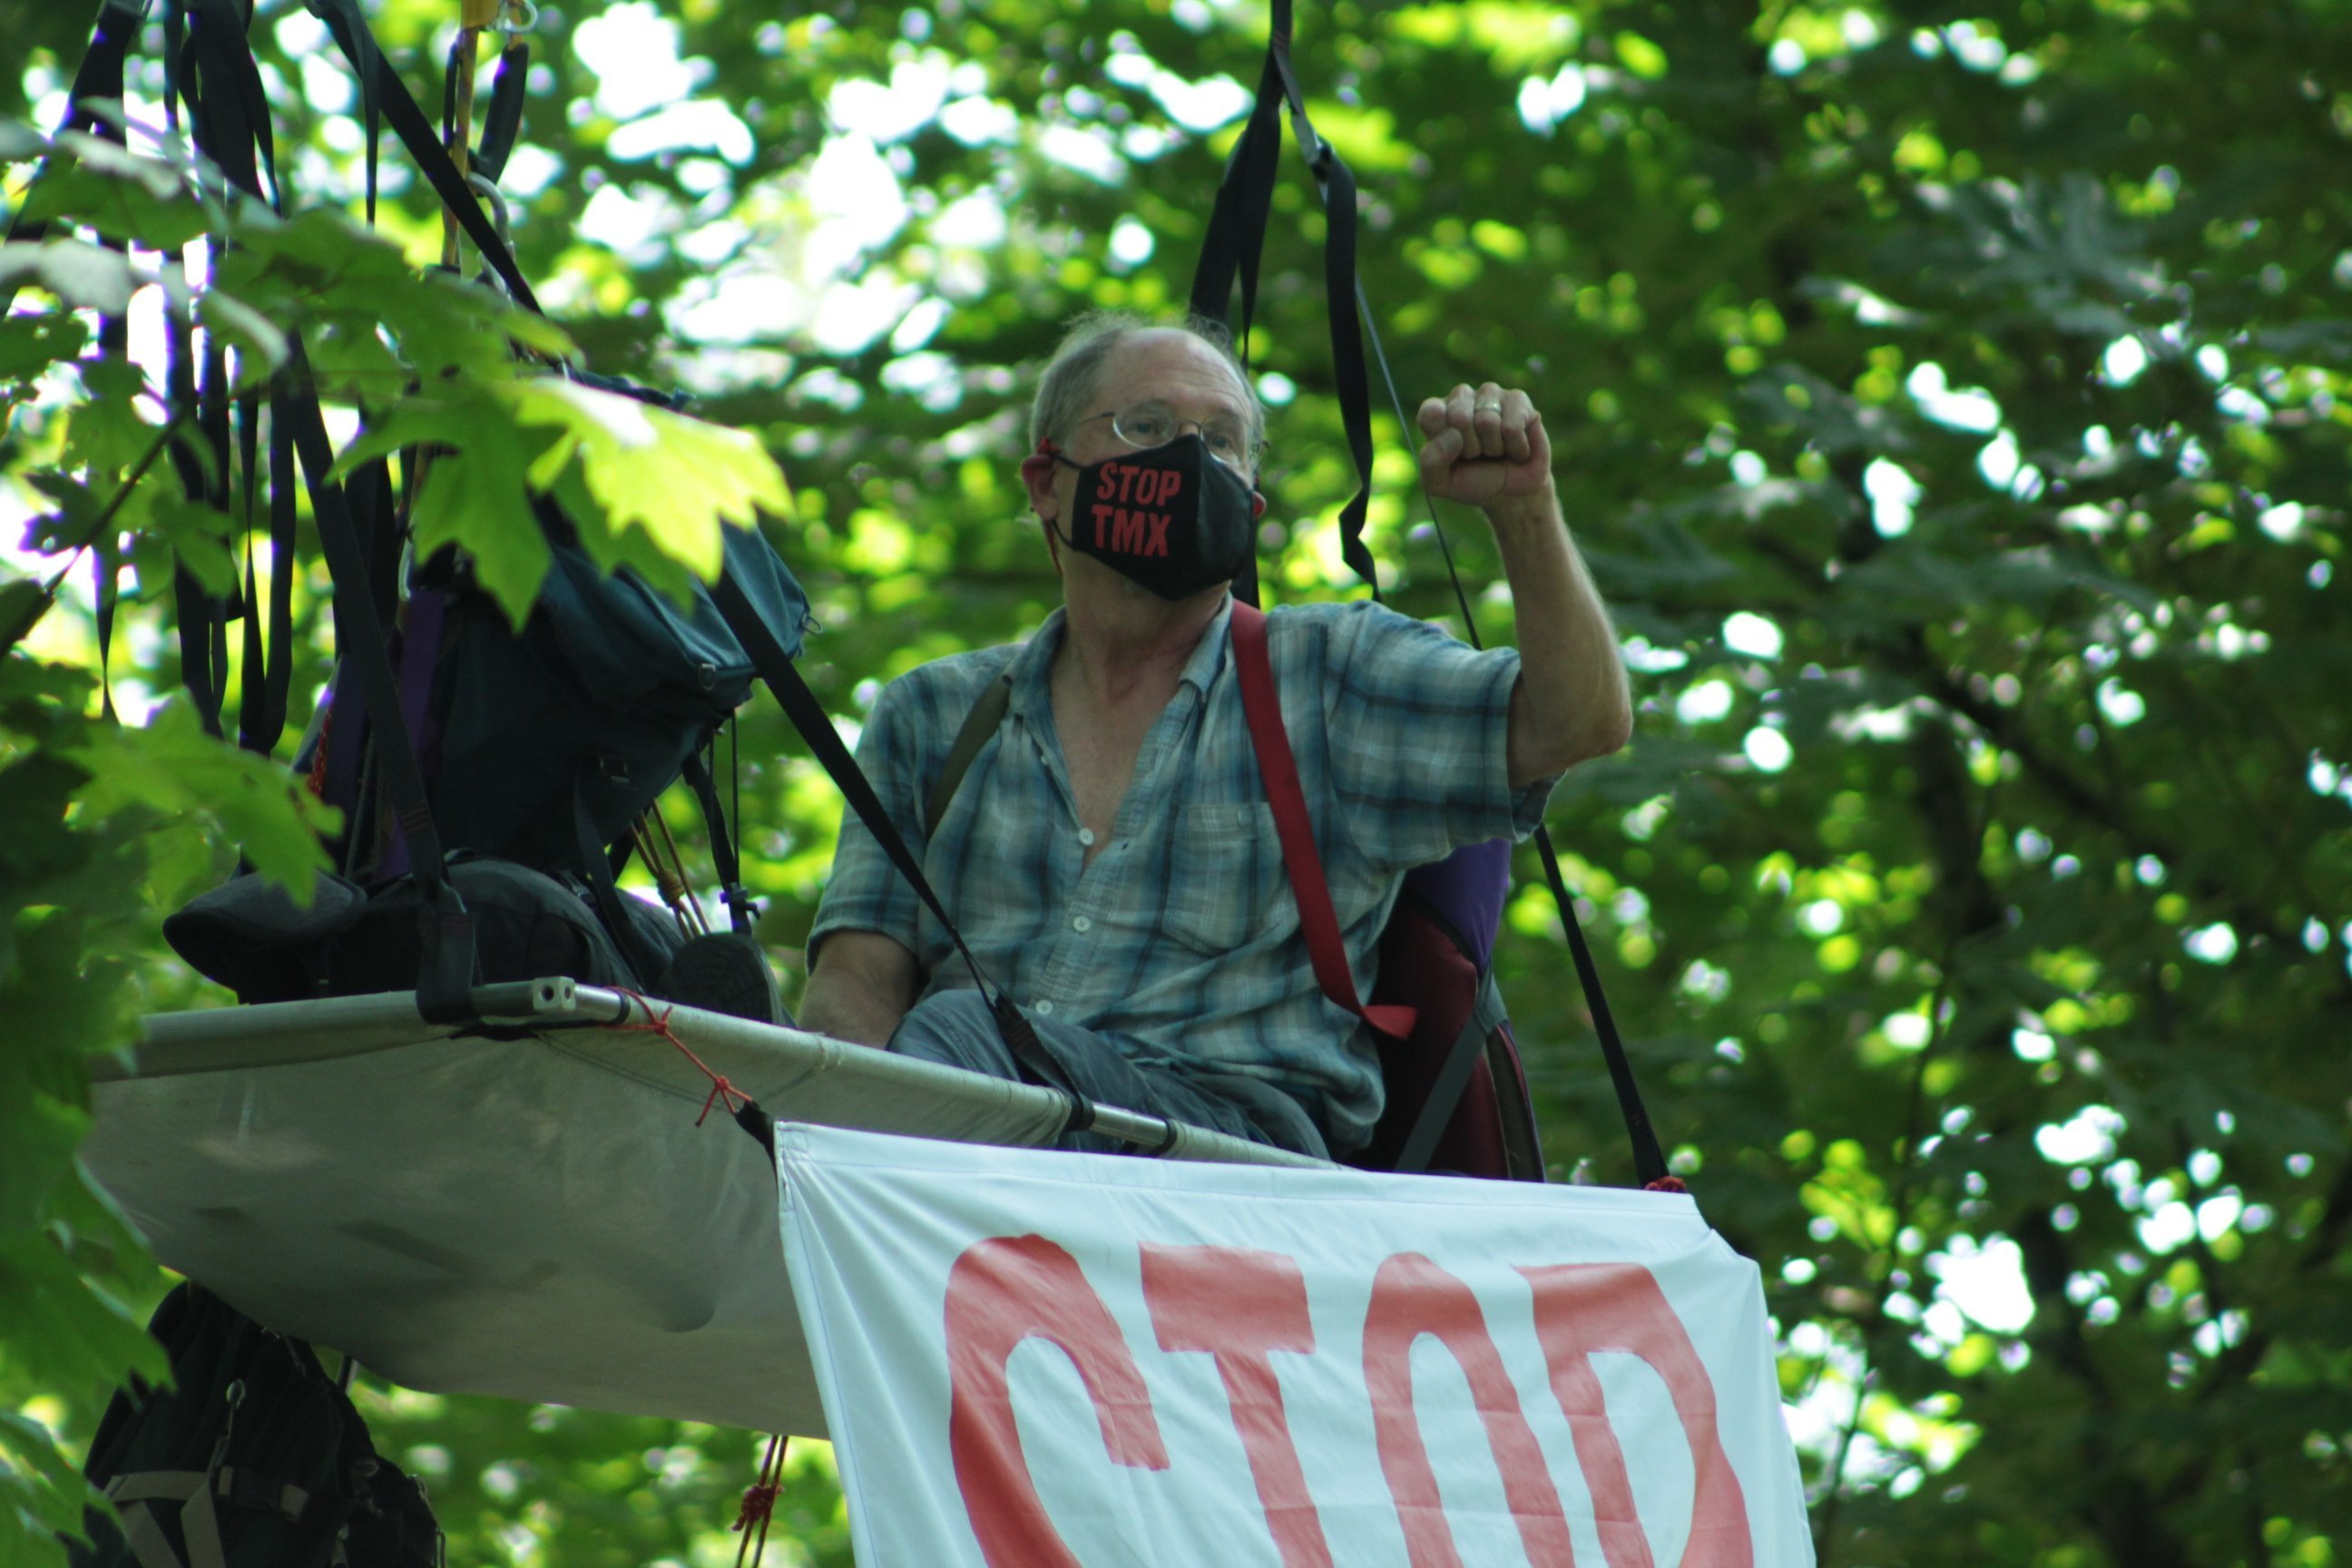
column 1181, row 942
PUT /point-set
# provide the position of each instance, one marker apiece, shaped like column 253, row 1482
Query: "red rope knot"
column 720, row 1090
column 759, row 1505
column 1666, row 1184
column 658, row 1023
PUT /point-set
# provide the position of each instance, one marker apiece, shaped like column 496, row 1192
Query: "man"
column 1109, row 856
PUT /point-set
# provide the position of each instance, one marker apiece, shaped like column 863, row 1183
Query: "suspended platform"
column 524, row 1206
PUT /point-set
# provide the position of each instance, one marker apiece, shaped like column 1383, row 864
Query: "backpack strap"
column 740, row 911
column 978, row 725
column 801, row 706
column 445, row 931
column 1317, row 921
column 1445, row 1094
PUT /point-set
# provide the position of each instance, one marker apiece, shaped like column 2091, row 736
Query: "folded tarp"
column 522, row 1206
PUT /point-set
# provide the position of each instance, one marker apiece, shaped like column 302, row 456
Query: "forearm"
column 861, row 987
column 1571, row 702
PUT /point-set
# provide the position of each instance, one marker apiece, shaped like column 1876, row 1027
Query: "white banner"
column 1031, row 1359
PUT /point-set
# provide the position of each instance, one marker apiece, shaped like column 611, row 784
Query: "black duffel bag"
column 254, row 1457
column 251, row 937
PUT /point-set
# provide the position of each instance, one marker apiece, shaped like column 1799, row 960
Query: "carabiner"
column 495, row 199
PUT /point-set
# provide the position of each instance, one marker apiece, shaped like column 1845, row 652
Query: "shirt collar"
column 1033, row 666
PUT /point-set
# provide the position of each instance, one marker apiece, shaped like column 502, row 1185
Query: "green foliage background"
column 1947, row 398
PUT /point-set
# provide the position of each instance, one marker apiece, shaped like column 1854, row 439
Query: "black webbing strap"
column 808, row 716
column 446, row 931
column 262, row 734
column 359, row 47
column 417, row 134
column 106, row 564
column 201, row 616
column 502, row 120
column 723, row 856
column 1236, row 236
column 598, row 865
column 1649, row 1161
column 1348, row 376
column 228, row 111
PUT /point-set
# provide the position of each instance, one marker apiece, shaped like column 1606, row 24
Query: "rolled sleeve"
column 1420, row 733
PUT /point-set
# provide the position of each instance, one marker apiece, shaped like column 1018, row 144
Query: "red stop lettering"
column 1581, row 1307
column 1001, row 1292
column 1128, row 530
column 1412, row 1296
column 1238, row 1306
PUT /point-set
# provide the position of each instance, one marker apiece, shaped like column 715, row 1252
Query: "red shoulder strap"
column 1317, row 922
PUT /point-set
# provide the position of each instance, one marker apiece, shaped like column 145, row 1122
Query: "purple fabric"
column 347, row 721
column 420, row 640
column 1466, row 889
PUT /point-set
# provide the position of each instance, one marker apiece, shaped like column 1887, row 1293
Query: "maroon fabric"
column 1433, row 953
column 1317, row 921
column 1421, row 966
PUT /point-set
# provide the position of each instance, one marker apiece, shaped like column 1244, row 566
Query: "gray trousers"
column 955, row 1027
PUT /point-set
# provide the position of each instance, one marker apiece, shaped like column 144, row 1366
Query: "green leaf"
column 530, row 330
column 23, row 602
column 200, row 536
column 44, row 1135
column 19, row 142
column 1641, row 57
column 243, row 326
column 125, row 196
column 633, row 550
column 40, row 1481
column 449, row 421
column 31, row 343
column 174, row 768
column 477, row 498
column 679, row 479
column 86, row 276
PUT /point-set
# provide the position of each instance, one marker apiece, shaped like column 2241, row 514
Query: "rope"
column 676, row 869
column 759, row 1504
column 474, row 18
column 658, row 1023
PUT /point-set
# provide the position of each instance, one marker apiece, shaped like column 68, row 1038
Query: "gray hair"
column 1065, row 391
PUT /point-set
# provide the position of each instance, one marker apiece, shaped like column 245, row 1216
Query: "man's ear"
column 1037, row 478
column 1257, row 505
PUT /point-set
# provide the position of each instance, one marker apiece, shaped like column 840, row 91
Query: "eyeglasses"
column 1155, row 425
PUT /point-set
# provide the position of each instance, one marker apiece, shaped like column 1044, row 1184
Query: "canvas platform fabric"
column 523, row 1205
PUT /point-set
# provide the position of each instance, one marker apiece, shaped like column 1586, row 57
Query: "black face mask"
column 1171, row 518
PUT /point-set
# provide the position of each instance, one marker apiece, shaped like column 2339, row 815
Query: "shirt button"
column 1044, row 1009
column 1087, row 837
column 1082, row 923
